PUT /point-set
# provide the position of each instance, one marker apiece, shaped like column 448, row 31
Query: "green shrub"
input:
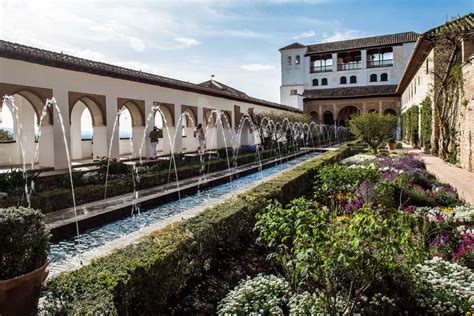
column 24, row 241
column 373, row 128
column 141, row 278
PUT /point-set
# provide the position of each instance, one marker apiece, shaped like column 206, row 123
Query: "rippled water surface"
column 98, row 236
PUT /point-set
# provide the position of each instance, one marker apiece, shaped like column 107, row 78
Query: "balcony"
column 379, row 63
column 349, row 66
column 316, row 69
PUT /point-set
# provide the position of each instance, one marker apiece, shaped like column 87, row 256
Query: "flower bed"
column 380, row 236
column 142, row 278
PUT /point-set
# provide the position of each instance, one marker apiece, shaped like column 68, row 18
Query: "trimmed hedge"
column 141, row 278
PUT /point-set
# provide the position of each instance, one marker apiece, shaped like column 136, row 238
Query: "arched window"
column 373, row 78
column 315, row 82
column 353, row 79
column 324, row 82
column 288, row 60
column 297, row 60
column 384, row 77
column 6, row 125
column 343, row 80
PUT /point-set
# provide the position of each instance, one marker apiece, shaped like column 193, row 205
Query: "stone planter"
column 19, row 295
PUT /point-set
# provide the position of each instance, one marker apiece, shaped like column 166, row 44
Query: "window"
column 288, row 60
column 293, row 92
column 353, row 79
column 380, row 57
column 384, row 77
column 349, row 60
column 373, row 78
column 297, row 60
column 321, row 63
column 315, row 82
column 343, row 80
column 324, row 82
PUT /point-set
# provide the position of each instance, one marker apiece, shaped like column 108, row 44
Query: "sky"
column 237, row 41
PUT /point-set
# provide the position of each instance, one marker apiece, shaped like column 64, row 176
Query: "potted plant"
column 24, row 244
column 391, row 143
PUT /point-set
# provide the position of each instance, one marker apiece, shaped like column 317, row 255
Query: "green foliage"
column 321, row 250
column 5, row 136
column 426, row 120
column 114, row 166
column 15, row 182
column 24, row 241
column 141, row 278
column 335, row 179
column 373, row 128
column 410, row 128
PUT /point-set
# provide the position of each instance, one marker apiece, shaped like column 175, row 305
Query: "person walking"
column 199, row 135
column 154, row 139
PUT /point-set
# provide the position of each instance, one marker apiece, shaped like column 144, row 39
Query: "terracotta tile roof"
column 366, row 42
column 350, row 92
column 213, row 84
column 295, row 45
column 59, row 60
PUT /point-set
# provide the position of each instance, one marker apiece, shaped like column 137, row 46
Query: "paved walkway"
column 459, row 178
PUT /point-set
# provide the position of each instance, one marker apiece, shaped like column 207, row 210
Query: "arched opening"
column 324, row 82
column 6, row 125
column 125, row 126
column 188, row 124
column 373, row 78
column 343, row 80
column 297, row 60
column 328, row 118
column 164, row 121
column 88, row 137
column 345, row 115
column 288, row 60
column 19, row 132
column 217, row 128
column 314, row 116
column 315, row 82
column 390, row 112
column 353, row 79
column 82, row 132
column 384, row 77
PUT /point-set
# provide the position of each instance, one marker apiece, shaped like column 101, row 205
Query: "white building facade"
column 32, row 76
column 364, row 67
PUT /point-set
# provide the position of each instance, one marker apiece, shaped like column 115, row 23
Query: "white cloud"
column 305, row 35
column 187, row 42
column 137, row 44
column 257, row 67
column 341, row 36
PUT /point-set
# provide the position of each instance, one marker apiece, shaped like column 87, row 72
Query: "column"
column 363, row 56
column 178, row 141
column 112, row 119
column 61, row 129
column 334, row 62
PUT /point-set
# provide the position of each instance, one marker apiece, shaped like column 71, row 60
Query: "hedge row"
column 60, row 198
column 141, row 278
